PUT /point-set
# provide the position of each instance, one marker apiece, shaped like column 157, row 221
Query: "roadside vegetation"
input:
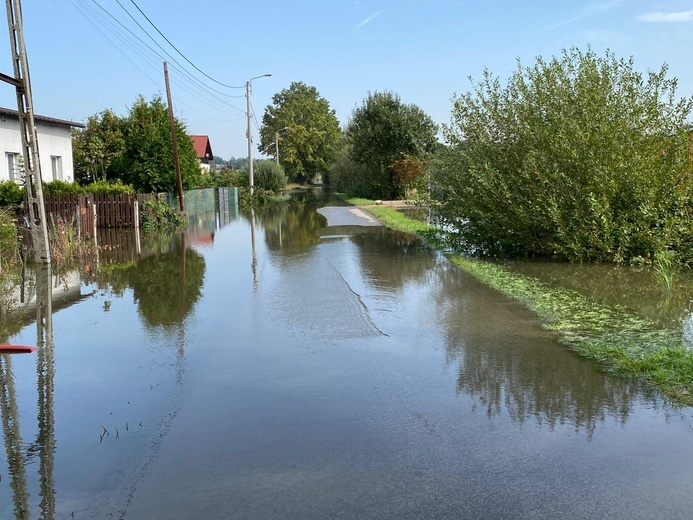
column 578, row 158
column 390, row 217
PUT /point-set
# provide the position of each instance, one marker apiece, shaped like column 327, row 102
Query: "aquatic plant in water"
column 622, row 341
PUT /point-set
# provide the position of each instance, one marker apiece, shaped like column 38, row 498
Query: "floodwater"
column 269, row 366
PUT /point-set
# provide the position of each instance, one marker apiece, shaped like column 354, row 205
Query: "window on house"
column 14, row 169
column 57, row 167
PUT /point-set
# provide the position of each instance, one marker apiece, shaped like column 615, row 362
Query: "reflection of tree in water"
column 389, row 259
column 166, row 286
column 509, row 364
column 295, row 224
column 157, row 286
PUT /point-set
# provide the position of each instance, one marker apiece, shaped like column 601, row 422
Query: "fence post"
column 136, row 216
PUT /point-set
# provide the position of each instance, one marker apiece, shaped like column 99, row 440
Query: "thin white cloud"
column 368, row 19
column 590, row 11
column 681, row 16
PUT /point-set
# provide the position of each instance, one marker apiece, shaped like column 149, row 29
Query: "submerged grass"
column 623, row 342
column 356, row 201
column 397, row 220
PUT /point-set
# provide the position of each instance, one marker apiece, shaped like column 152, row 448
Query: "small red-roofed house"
column 203, row 150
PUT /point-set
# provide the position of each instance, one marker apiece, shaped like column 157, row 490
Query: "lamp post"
column 276, row 142
column 250, row 134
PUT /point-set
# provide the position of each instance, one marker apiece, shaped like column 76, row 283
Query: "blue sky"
column 424, row 50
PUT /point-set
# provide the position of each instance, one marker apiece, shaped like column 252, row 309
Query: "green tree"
column 346, row 174
column 97, row 145
column 578, row 158
column 392, row 140
column 308, row 131
column 147, row 161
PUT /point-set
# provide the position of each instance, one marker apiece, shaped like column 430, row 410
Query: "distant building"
column 54, row 143
column 203, row 150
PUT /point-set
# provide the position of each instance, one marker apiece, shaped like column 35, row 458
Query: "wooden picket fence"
column 89, row 211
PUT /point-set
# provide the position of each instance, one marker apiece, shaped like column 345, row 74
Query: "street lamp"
column 276, row 142
column 250, row 134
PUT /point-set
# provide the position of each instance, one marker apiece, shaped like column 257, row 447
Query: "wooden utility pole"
column 25, row 109
column 175, row 140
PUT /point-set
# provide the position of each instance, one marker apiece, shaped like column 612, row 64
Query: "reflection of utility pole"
column 32, row 165
column 45, row 367
column 182, row 294
column 252, row 243
column 45, row 440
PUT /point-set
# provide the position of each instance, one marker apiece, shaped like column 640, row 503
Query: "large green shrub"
column 577, row 158
column 9, row 238
column 224, row 178
column 72, row 188
column 62, row 188
column 108, row 187
column 268, row 175
column 11, row 194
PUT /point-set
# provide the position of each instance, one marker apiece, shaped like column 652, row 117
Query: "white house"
column 54, row 143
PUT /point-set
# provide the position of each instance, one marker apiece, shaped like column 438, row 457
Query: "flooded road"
column 269, row 366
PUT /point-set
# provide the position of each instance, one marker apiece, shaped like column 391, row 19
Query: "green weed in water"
column 664, row 267
column 626, row 344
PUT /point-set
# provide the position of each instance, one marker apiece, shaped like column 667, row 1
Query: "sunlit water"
column 267, row 366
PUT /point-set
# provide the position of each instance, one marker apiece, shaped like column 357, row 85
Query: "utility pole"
column 250, row 139
column 25, row 109
column 248, row 89
column 176, row 161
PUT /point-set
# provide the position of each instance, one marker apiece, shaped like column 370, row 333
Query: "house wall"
column 53, row 141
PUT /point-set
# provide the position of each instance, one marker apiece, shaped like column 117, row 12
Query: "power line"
column 181, row 69
column 145, row 58
column 114, row 45
column 119, row 33
column 252, row 113
column 179, row 52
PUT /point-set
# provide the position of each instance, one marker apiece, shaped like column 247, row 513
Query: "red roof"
column 202, row 147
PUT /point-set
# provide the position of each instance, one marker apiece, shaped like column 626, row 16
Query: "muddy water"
column 269, row 366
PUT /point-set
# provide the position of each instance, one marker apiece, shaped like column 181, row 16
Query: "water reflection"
column 512, row 366
column 293, row 225
column 165, row 273
column 363, row 346
column 43, row 447
column 390, row 259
